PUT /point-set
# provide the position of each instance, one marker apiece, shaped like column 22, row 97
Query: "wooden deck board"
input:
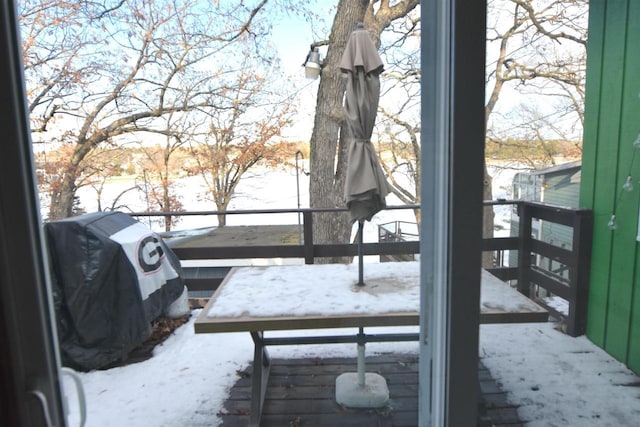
column 301, row 392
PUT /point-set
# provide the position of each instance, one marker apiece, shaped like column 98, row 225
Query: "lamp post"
column 299, row 155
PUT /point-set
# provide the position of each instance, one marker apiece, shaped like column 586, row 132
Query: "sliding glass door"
column 452, row 155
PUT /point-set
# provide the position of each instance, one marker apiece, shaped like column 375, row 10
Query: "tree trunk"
column 222, row 207
column 167, row 204
column 62, row 200
column 487, row 218
column 325, row 186
column 328, row 141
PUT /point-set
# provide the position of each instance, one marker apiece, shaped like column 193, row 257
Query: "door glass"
column 197, row 106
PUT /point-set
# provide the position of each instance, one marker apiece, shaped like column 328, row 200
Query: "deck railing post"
column 524, row 249
column 307, row 217
column 579, row 272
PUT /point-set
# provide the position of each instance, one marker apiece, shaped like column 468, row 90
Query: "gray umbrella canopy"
column 365, row 186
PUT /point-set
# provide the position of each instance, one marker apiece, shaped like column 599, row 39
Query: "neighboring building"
column 558, row 185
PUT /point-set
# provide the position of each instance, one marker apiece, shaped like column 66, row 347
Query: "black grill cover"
column 112, row 277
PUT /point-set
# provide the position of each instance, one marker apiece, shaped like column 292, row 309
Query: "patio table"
column 326, row 296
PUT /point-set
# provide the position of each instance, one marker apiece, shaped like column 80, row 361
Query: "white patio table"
column 322, row 296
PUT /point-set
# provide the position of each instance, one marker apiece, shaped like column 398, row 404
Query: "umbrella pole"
column 361, row 362
column 360, row 256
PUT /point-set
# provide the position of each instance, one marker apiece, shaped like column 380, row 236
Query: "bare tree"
column 536, row 139
column 328, row 142
column 400, row 157
column 245, row 130
column 540, row 50
column 53, row 35
column 102, row 165
column 532, row 48
column 161, row 166
column 143, row 60
column 535, row 47
column 399, row 125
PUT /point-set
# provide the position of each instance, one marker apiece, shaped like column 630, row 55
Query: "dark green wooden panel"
column 612, row 122
column 592, row 106
column 631, row 128
column 599, row 274
column 605, row 168
column 624, row 247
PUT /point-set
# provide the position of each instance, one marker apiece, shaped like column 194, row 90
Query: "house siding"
column 559, row 190
column 559, row 186
column 612, row 123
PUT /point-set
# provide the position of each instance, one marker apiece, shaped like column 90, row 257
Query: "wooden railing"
column 308, row 249
column 528, row 275
column 531, row 275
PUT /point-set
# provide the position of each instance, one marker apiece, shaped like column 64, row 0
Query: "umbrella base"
column 374, row 393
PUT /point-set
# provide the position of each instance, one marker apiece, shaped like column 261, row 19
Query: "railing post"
column 307, row 217
column 524, row 249
column 579, row 272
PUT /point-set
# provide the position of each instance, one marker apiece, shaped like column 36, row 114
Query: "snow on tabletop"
column 319, row 289
column 498, row 295
column 331, row 289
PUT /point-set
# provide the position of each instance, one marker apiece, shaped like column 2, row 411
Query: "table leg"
column 260, row 376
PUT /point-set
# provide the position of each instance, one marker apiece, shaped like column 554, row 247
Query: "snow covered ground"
column 557, row 380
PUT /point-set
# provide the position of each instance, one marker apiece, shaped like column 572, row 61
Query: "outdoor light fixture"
column 313, row 63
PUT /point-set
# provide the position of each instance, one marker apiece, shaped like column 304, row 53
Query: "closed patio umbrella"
column 365, row 190
column 365, row 185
